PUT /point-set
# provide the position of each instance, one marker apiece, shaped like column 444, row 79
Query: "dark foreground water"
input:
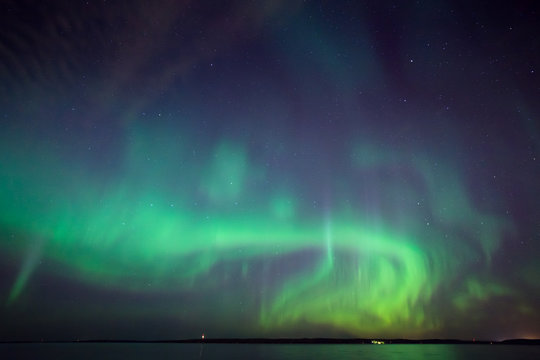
column 265, row 351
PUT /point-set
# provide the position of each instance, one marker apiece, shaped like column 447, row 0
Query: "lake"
column 141, row 351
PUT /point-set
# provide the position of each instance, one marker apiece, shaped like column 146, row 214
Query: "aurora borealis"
column 272, row 168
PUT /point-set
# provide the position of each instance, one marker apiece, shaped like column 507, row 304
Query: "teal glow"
column 373, row 271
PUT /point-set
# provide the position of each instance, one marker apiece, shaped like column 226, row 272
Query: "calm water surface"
column 265, row 351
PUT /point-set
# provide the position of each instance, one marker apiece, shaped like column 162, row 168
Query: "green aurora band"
column 171, row 217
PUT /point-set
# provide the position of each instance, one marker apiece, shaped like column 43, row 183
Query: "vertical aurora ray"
column 29, row 264
column 328, row 240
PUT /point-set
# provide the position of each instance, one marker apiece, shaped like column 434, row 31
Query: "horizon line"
column 285, row 340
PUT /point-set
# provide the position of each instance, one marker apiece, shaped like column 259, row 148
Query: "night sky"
column 269, row 169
